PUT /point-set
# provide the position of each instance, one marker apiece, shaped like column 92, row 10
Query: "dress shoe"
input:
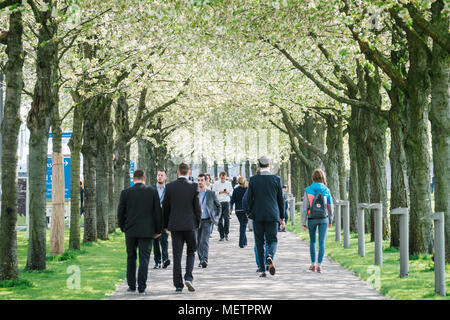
column 263, row 275
column 178, row 290
column 157, row 266
column 189, row 285
column 166, row 264
column 226, row 238
column 143, row 293
column 271, row 266
column 204, row 264
column 131, row 290
column 221, row 239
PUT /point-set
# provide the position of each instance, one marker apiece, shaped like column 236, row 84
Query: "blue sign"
column 64, row 135
column 131, row 173
column 48, row 184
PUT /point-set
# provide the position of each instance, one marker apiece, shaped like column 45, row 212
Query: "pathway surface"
column 231, row 275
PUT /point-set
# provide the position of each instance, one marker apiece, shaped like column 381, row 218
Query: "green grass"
column 102, row 265
column 418, row 286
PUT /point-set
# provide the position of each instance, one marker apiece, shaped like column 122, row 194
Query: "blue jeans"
column 265, row 233
column 313, row 225
column 266, row 250
column 243, row 220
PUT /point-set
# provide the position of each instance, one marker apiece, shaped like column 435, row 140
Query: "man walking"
column 223, row 190
column 160, row 245
column 140, row 217
column 266, row 206
column 182, row 215
column 211, row 210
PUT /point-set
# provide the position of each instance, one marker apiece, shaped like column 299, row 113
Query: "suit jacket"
column 181, row 206
column 213, row 205
column 265, row 197
column 139, row 213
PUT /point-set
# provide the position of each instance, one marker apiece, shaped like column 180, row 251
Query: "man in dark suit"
column 266, row 206
column 140, row 217
column 182, row 215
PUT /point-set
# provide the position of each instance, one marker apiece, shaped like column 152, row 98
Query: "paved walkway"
column 231, row 275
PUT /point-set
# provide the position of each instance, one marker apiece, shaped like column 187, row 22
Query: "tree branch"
column 443, row 39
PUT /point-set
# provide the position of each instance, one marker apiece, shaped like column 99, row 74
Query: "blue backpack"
column 318, row 209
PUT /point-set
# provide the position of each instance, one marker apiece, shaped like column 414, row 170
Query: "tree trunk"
column 363, row 163
column 332, row 158
column 36, row 178
column 440, row 123
column 102, row 192
column 416, row 148
column 397, row 157
column 376, row 148
column 110, row 176
column 58, row 186
column 39, row 124
column 127, row 165
column 353, row 190
column 75, row 163
column 90, row 152
column 341, row 161
column 10, row 131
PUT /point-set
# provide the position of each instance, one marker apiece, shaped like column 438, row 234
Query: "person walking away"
column 182, row 215
column 236, row 201
column 266, row 206
column 161, row 245
column 224, row 190
column 317, row 209
column 286, row 204
column 211, row 211
column 139, row 215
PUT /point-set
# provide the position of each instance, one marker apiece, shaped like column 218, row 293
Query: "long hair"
column 243, row 182
column 319, row 176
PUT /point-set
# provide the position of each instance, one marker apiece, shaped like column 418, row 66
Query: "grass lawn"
column 418, row 286
column 102, row 265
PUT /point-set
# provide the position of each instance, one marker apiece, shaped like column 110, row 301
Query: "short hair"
column 319, row 176
column 139, row 174
column 207, row 175
column 222, row 174
column 284, row 186
column 202, row 175
column 183, row 168
column 162, row 170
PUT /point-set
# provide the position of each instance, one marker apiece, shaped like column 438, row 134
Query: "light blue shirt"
column 161, row 192
column 202, row 196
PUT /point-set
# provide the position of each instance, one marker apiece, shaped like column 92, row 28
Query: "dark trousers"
column 161, row 248
column 243, row 221
column 145, row 248
column 204, row 231
column 269, row 230
column 178, row 240
column 224, row 222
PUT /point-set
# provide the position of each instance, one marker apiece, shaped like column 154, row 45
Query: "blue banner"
column 131, row 173
column 48, row 184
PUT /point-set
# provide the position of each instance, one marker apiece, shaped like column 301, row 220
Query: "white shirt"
column 219, row 186
column 265, row 169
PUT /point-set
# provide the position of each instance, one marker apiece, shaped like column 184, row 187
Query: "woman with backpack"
column 318, row 210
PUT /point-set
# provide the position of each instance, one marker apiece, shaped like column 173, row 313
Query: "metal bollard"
column 361, row 235
column 346, row 223
column 337, row 222
column 378, row 232
column 292, row 210
column 404, row 240
column 439, row 252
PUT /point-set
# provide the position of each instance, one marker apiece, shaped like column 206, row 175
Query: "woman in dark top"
column 236, row 199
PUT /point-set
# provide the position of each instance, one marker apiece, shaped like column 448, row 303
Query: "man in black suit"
column 182, row 215
column 266, row 206
column 140, row 217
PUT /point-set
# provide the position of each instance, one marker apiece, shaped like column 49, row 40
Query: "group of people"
column 188, row 212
